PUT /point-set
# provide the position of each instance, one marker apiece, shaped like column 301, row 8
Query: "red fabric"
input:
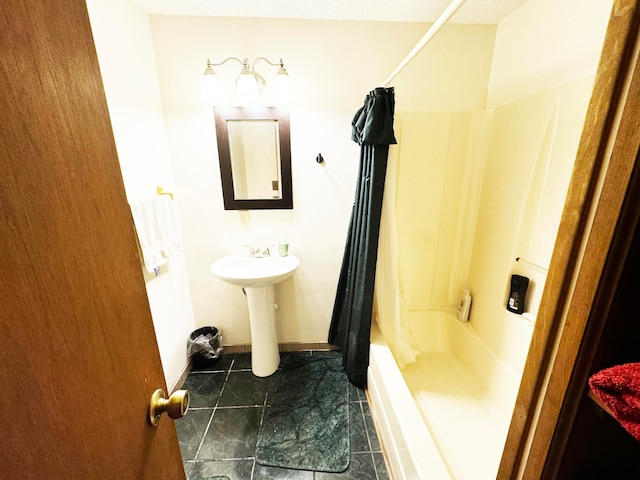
column 619, row 389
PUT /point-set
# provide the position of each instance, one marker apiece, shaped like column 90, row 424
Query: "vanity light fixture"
column 249, row 83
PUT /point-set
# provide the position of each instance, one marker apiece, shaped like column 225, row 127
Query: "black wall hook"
column 319, row 158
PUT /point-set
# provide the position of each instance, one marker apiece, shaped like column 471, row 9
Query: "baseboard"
column 283, row 347
column 182, row 377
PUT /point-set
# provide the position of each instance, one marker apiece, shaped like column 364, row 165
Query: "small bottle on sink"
column 283, row 247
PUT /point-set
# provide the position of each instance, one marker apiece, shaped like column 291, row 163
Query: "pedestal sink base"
column 258, row 276
column 265, row 357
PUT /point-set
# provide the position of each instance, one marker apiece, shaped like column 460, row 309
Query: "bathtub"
column 446, row 415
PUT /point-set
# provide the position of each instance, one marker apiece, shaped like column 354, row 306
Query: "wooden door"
column 78, row 354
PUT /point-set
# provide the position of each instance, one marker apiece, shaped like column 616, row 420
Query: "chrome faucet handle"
column 259, row 252
column 252, row 251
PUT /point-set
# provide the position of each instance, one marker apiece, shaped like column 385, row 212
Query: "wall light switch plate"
column 244, row 217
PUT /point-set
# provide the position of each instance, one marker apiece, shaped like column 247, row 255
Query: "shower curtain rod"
column 438, row 24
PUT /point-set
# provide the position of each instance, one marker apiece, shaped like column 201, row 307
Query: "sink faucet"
column 258, row 252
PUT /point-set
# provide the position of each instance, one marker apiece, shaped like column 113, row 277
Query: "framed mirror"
column 255, row 157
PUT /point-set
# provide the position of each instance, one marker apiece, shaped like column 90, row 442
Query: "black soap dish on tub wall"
column 517, row 294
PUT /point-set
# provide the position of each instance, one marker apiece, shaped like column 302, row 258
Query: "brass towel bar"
column 161, row 191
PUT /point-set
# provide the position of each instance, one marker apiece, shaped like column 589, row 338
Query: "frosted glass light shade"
column 211, row 89
column 246, row 85
column 282, row 86
column 249, row 84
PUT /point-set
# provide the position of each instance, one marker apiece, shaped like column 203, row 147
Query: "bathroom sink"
column 258, row 275
column 244, row 270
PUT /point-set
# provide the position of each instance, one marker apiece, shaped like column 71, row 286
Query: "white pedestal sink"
column 258, row 276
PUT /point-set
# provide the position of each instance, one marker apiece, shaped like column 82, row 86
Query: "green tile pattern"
column 213, row 446
column 306, row 427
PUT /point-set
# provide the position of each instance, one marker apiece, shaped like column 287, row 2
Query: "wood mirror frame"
column 279, row 115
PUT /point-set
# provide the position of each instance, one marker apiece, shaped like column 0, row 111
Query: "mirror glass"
column 255, row 157
column 254, row 148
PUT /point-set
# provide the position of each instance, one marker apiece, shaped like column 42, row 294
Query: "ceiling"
column 473, row 11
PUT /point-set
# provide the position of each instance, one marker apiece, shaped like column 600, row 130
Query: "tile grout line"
column 230, row 459
column 215, row 407
column 255, row 454
column 364, row 421
column 366, row 430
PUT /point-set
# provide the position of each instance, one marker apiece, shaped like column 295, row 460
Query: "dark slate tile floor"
column 219, row 432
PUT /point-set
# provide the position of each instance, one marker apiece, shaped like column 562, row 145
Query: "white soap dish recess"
column 464, row 306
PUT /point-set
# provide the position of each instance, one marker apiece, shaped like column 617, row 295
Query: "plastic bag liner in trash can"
column 204, row 346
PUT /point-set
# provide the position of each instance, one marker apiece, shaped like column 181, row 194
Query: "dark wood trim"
column 585, row 233
column 612, row 274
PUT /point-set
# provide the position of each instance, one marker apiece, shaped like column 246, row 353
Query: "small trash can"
column 204, row 346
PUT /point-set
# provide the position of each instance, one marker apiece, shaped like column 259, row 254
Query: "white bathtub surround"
column 436, row 419
column 482, row 214
column 407, row 442
column 425, row 253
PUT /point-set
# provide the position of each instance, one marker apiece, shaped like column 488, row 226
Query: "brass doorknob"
column 175, row 406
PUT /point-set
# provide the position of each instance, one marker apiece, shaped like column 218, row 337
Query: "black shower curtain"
column 351, row 319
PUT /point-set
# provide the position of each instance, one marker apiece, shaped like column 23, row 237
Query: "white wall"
column 127, row 62
column 544, row 44
column 333, row 65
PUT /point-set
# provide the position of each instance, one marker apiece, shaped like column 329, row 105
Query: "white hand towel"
column 158, row 232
